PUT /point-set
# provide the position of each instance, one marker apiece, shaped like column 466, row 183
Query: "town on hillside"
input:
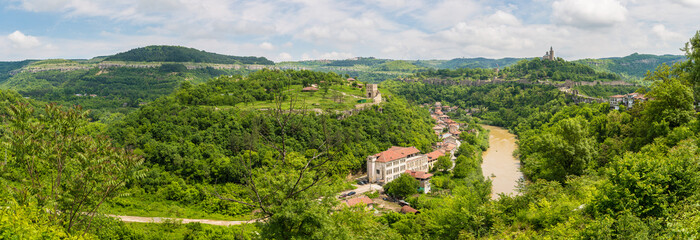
column 386, row 166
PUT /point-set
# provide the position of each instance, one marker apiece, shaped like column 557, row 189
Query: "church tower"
column 551, row 53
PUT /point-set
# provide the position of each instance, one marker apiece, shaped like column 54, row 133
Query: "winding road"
column 184, row 220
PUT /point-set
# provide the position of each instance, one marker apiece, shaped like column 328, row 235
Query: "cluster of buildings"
column 85, row 95
column 388, row 165
column 445, row 128
column 627, row 100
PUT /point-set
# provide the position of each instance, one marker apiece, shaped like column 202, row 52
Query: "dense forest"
column 182, row 54
column 108, row 90
column 477, row 63
column 7, row 67
column 557, row 70
column 533, row 70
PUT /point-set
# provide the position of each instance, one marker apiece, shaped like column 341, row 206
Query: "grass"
column 347, row 96
column 177, row 230
column 152, row 207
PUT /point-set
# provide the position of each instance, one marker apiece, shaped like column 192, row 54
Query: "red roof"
column 394, row 153
column 351, row 79
column 617, row 96
column 435, row 154
column 408, row 209
column 309, row 89
column 419, row 174
column 362, row 199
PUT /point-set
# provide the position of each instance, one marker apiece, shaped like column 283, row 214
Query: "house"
column 450, row 139
column 438, row 129
column 446, row 135
column 309, row 89
column 627, row 100
column 386, row 166
column 454, row 129
column 450, row 147
column 351, row 79
column 423, row 178
column 362, row 200
column 433, row 156
column 408, row 209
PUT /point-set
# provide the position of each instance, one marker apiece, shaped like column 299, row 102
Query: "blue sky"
column 334, row 29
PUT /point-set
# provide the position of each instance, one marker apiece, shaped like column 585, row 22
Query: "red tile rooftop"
column 419, row 174
column 394, row 153
column 362, row 199
column 434, row 155
column 408, row 209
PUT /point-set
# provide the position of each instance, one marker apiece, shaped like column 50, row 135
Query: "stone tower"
column 551, row 53
column 372, row 90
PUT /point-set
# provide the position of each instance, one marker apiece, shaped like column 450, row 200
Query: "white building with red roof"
column 433, row 156
column 386, row 166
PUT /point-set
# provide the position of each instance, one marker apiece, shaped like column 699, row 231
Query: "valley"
column 169, row 142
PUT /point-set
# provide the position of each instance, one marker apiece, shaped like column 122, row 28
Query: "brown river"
column 499, row 164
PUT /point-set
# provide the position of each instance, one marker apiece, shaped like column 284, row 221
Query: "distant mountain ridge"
column 634, row 65
column 183, row 54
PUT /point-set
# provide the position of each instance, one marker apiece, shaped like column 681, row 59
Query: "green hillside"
column 182, row 54
column 635, row 65
column 114, row 89
column 557, row 70
column 478, row 63
column 7, row 67
column 398, row 65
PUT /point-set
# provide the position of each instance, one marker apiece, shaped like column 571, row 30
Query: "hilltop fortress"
column 549, row 55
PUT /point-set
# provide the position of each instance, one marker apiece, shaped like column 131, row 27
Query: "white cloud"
column 589, row 13
column 20, row 40
column 335, row 55
column 666, row 35
column 449, row 12
column 402, row 29
column 284, row 57
column 688, row 3
column 503, row 18
column 267, row 46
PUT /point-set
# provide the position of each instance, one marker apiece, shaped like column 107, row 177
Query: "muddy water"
column 499, row 164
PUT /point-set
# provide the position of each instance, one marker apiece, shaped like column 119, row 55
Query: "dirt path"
column 184, row 220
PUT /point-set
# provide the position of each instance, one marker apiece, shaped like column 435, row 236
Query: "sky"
column 293, row 30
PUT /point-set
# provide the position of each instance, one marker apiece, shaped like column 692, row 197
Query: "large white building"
column 386, row 166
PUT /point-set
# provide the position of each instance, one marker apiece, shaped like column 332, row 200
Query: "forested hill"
column 534, row 69
column 478, row 63
column 183, row 54
column 7, row 67
column 557, row 70
column 635, row 65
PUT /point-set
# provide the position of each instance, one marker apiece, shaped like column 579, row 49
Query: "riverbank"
column 499, row 164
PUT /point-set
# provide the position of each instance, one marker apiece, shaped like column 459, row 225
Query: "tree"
column 67, row 172
column 692, row 65
column 402, row 187
column 670, row 100
column 283, row 179
column 443, row 163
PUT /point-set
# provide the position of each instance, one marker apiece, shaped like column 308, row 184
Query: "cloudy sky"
column 335, row 29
